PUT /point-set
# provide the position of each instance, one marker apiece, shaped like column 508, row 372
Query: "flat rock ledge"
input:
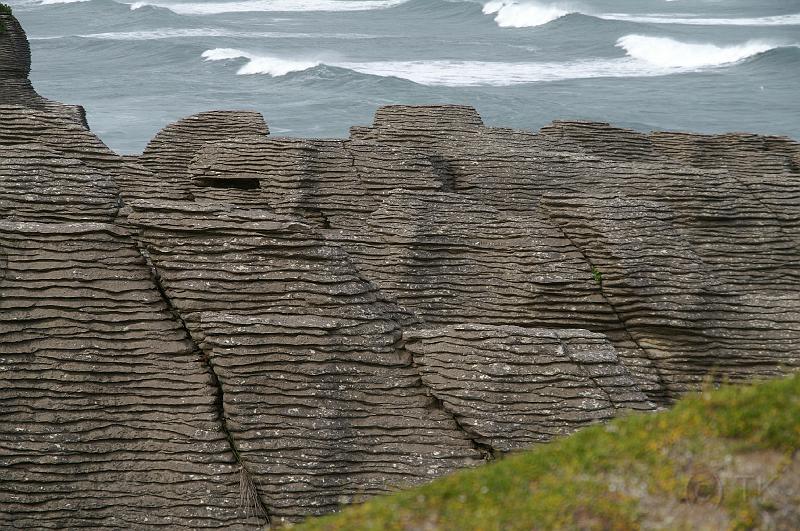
column 233, row 330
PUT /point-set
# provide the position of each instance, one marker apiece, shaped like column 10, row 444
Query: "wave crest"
column 669, row 53
column 530, row 13
column 259, row 64
column 513, row 14
column 444, row 72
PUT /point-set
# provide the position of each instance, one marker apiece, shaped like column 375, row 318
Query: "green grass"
column 606, row 476
column 4, row 10
column 597, row 276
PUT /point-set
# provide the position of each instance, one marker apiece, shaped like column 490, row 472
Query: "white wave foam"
column 447, row 73
column 176, row 33
column 477, row 73
column 244, row 6
column 776, row 20
column 527, row 14
column 669, row 53
column 259, row 64
column 52, row 2
column 514, row 14
column 646, row 57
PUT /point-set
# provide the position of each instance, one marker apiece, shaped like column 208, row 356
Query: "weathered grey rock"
column 699, row 311
column 330, row 183
column 109, row 416
column 15, row 52
column 169, row 154
column 15, row 66
column 324, row 405
column 511, row 387
column 453, row 260
column 39, row 184
column 59, row 136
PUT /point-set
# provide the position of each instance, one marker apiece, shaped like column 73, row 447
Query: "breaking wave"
column 646, row 56
column 527, row 14
column 446, row 73
column 513, row 14
column 259, row 64
column 669, row 53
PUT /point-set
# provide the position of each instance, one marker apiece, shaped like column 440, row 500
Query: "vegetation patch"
column 5, row 9
column 723, row 458
column 597, row 276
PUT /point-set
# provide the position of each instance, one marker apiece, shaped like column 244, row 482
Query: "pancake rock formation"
column 234, row 329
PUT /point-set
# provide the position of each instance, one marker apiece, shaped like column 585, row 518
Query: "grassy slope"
column 721, row 459
column 4, row 10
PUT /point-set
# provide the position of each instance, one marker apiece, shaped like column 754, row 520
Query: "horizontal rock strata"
column 15, row 66
column 109, row 417
column 511, row 386
column 324, row 405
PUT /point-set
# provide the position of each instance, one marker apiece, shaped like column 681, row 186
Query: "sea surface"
column 316, row 67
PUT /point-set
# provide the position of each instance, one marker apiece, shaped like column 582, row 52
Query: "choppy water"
column 316, row 67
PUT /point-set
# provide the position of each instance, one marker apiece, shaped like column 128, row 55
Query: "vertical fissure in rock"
column 250, row 499
column 657, row 371
column 486, row 450
column 565, row 350
column 754, row 195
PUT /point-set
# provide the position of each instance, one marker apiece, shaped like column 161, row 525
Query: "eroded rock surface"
column 232, row 328
column 511, row 386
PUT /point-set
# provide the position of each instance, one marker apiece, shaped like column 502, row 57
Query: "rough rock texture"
column 322, row 402
column 508, row 385
column 15, row 65
column 168, row 154
column 233, row 328
column 110, row 418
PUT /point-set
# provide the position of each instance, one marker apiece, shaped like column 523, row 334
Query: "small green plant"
column 597, row 276
column 5, row 9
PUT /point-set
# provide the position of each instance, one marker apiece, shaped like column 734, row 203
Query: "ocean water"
column 316, row 67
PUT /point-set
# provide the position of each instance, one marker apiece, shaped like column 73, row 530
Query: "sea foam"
column 259, row 64
column 179, row 33
column 52, row 2
column 513, row 14
column 669, row 53
column 528, row 14
column 646, row 56
column 699, row 20
column 244, row 6
column 445, row 72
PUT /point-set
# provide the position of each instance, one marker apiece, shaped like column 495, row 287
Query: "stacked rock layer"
column 233, row 329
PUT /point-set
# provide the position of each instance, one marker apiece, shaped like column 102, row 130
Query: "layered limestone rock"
column 511, row 386
column 233, row 329
column 15, row 66
column 324, row 405
column 168, row 154
column 110, row 418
